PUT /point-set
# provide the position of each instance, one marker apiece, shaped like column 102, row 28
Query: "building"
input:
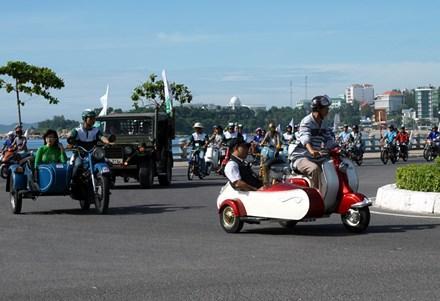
column 361, row 93
column 427, row 102
column 390, row 101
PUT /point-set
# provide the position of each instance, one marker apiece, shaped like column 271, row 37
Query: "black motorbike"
column 430, row 151
column 389, row 152
column 403, row 151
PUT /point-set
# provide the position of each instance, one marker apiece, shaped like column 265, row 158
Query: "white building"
column 391, row 101
column 427, row 102
column 361, row 93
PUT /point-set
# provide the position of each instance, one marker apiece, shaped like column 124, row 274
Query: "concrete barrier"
column 392, row 198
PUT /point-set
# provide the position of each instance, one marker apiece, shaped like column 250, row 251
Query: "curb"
column 392, row 198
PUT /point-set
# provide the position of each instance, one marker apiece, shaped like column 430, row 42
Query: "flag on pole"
column 278, row 129
column 291, row 123
column 168, row 96
column 336, row 122
column 104, row 99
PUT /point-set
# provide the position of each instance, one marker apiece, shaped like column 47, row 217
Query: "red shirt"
column 402, row 137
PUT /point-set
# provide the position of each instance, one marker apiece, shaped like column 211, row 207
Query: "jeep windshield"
column 128, row 127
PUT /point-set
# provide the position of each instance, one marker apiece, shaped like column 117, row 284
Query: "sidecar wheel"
column 4, row 171
column 16, row 200
column 102, row 195
column 356, row 220
column 288, row 224
column 229, row 221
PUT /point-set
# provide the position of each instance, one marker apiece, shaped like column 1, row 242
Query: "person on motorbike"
column 315, row 136
column 288, row 135
column 7, row 144
column 86, row 136
column 238, row 172
column 402, row 139
column 198, row 142
column 271, row 140
column 231, row 134
column 20, row 141
column 356, row 138
column 240, row 131
column 217, row 136
column 390, row 138
column 258, row 136
column 434, row 137
column 344, row 136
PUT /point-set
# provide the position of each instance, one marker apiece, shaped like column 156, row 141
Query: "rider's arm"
column 63, row 156
column 39, row 157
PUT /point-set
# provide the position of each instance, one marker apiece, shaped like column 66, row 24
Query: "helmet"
column 288, row 126
column 240, row 125
column 18, row 127
column 230, row 125
column 271, row 125
column 215, row 126
column 88, row 114
column 10, row 134
column 198, row 125
column 355, row 127
column 402, row 127
column 345, row 125
column 391, row 126
column 258, row 129
column 321, row 101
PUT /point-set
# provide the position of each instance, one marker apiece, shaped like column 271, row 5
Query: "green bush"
column 419, row 177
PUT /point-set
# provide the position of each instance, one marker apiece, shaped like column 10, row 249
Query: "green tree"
column 152, row 92
column 29, row 79
column 57, row 123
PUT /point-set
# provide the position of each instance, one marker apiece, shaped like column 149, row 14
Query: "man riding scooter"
column 315, row 137
column 402, row 139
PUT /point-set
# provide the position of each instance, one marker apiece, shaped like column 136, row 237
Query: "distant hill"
column 10, row 127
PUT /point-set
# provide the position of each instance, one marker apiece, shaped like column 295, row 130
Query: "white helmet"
column 10, row 133
column 198, row 125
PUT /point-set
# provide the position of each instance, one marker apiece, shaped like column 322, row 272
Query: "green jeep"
column 143, row 147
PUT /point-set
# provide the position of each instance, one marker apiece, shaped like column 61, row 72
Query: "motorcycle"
column 354, row 152
column 292, row 200
column 389, row 152
column 90, row 184
column 9, row 157
column 403, row 151
column 195, row 167
column 430, row 150
column 212, row 158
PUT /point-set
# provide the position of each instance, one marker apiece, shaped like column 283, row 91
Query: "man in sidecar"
column 315, row 138
column 238, row 172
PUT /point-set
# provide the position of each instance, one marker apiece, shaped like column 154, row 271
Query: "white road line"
column 405, row 215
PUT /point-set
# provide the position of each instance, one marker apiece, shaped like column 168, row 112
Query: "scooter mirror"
column 70, row 140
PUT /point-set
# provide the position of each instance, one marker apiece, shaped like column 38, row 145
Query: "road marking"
column 405, row 215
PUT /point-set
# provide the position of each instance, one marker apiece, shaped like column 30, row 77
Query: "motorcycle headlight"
column 98, row 154
column 128, row 150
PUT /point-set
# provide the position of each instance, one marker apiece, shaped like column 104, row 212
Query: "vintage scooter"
column 293, row 200
column 212, row 158
column 92, row 183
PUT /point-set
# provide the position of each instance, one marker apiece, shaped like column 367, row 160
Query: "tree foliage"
column 152, row 92
column 30, row 80
column 57, row 123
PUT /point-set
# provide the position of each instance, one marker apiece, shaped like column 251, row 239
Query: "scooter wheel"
column 229, row 221
column 356, row 220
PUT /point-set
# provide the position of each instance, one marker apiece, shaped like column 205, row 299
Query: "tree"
column 30, row 80
column 152, row 92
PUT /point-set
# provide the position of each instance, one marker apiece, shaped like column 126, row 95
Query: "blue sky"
column 251, row 49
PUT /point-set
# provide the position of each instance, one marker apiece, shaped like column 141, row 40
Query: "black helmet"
column 289, row 126
column 391, row 126
column 355, row 127
column 88, row 114
column 321, row 101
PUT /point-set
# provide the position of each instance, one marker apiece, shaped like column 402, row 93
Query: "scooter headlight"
column 128, row 150
column 98, row 154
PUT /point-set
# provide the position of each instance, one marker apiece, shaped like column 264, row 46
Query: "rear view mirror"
column 70, row 140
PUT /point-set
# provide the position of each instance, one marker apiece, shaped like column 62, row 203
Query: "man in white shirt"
column 238, row 172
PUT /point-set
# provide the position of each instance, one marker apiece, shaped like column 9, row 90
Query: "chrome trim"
column 365, row 203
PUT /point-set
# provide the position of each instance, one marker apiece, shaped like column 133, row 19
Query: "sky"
column 219, row 49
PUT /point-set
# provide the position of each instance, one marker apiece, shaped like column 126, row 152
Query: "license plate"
column 116, row 161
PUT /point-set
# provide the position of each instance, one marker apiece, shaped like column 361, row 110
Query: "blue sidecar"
column 91, row 185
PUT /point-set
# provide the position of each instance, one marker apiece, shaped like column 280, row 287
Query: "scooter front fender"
column 18, row 179
column 236, row 204
column 353, row 200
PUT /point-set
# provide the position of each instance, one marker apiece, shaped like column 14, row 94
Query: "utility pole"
column 291, row 94
column 305, row 88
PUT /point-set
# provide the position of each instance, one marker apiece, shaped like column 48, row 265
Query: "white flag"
column 168, row 96
column 291, row 123
column 104, row 102
column 278, row 129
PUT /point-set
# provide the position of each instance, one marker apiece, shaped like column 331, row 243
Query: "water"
column 34, row 144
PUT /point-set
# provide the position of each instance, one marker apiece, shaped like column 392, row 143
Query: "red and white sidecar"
column 293, row 201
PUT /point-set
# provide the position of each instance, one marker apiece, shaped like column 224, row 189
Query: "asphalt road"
column 166, row 244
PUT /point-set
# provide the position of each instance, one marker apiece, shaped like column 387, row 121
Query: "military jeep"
column 143, row 147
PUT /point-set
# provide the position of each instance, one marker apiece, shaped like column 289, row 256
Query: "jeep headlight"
column 128, row 150
column 98, row 154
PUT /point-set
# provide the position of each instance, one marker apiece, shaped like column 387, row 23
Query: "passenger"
column 217, row 136
column 198, row 142
column 271, row 140
column 52, row 151
column 314, row 136
column 20, row 141
column 8, row 142
column 238, row 172
column 288, row 135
